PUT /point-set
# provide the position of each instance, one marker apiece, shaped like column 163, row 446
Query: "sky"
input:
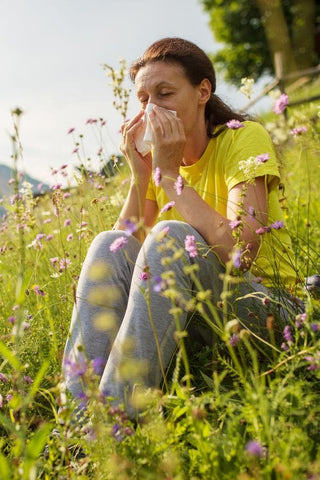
column 52, row 54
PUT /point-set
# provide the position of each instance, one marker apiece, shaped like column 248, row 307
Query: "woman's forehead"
column 155, row 73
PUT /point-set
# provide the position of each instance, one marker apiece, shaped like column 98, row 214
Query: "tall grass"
column 235, row 416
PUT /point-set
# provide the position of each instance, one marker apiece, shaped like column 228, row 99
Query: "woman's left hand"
column 168, row 141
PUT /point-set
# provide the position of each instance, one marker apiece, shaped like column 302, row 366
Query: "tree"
column 255, row 33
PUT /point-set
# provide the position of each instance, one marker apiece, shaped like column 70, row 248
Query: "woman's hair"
column 197, row 66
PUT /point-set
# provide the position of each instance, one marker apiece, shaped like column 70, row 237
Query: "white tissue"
column 144, row 136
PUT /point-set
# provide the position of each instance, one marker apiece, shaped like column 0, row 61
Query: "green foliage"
column 218, row 399
column 239, row 26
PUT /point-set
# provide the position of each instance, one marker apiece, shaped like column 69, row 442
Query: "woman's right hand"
column 140, row 166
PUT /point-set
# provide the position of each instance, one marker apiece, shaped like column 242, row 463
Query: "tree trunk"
column 277, row 34
column 303, row 33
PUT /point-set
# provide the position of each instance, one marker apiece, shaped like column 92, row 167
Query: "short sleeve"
column 245, row 145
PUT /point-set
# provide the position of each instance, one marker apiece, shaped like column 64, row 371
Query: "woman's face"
column 166, row 85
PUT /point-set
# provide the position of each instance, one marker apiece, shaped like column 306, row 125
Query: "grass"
column 242, row 418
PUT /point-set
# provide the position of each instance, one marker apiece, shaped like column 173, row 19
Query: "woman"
column 210, row 186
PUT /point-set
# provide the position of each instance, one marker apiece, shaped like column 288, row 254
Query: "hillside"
column 6, row 189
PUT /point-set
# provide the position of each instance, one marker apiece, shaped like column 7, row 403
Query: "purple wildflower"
column 131, row 227
column 287, row 334
column 236, row 258
column 157, row 176
column 277, row 225
column 261, row 231
column 117, row 244
column 70, row 131
column 98, row 365
column 3, row 378
column 252, row 212
column 144, row 276
column 158, row 284
column 315, row 327
column 67, row 222
column 190, row 246
column 178, row 185
column 298, row 131
column 38, row 290
column 234, row 339
column 27, row 379
column 262, row 158
column 77, row 368
column 281, row 104
column 255, row 448
column 167, row 206
column 235, row 224
column 234, row 124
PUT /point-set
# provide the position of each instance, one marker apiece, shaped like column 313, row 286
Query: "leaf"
column 207, row 379
column 6, row 353
column 5, row 469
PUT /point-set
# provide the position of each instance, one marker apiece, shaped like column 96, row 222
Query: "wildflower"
column 27, row 379
column 236, row 258
column 83, row 224
column 295, row 132
column 117, row 244
column 3, row 378
column 54, row 260
column 69, row 237
column 251, row 212
column 281, row 104
column 47, row 220
column 1, row 401
column 234, row 339
column 261, row 231
column 144, row 276
column 234, row 124
column 67, row 222
column 157, row 176
column 76, row 369
column 262, row 158
column 190, row 246
column 49, row 237
column 246, row 86
column 313, row 361
column 158, row 284
column 66, row 195
column 131, row 227
column 287, row 335
column 64, row 263
column 167, row 206
column 315, row 327
column 277, row 225
column 255, row 448
column 235, row 224
column 38, row 290
column 70, row 130
column 178, row 185
column 75, row 150
column 98, row 365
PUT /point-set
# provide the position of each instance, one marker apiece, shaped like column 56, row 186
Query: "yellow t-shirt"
column 218, row 171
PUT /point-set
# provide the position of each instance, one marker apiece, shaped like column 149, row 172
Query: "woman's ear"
column 204, row 91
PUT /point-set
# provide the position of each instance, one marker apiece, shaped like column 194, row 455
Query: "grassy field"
column 241, row 418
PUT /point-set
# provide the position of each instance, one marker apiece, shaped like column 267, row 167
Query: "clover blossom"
column 234, row 124
column 118, row 244
column 281, row 104
column 190, row 246
column 144, row 276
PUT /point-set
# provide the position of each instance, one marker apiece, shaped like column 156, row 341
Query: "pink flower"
column 117, row 244
column 54, row 260
column 234, row 124
column 144, row 276
column 178, row 185
column 70, row 131
column 69, row 237
column 262, row 158
column 281, row 104
column 157, row 177
column 298, row 131
column 67, row 222
column 3, row 378
column 190, row 246
column 167, row 206
column 235, row 224
column 234, row 339
column 38, row 290
column 64, row 263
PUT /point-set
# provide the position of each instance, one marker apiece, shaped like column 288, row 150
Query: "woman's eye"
column 164, row 94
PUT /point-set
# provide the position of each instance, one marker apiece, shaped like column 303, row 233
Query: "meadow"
column 226, row 413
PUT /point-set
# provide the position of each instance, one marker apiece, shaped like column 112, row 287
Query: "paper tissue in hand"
column 144, row 136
